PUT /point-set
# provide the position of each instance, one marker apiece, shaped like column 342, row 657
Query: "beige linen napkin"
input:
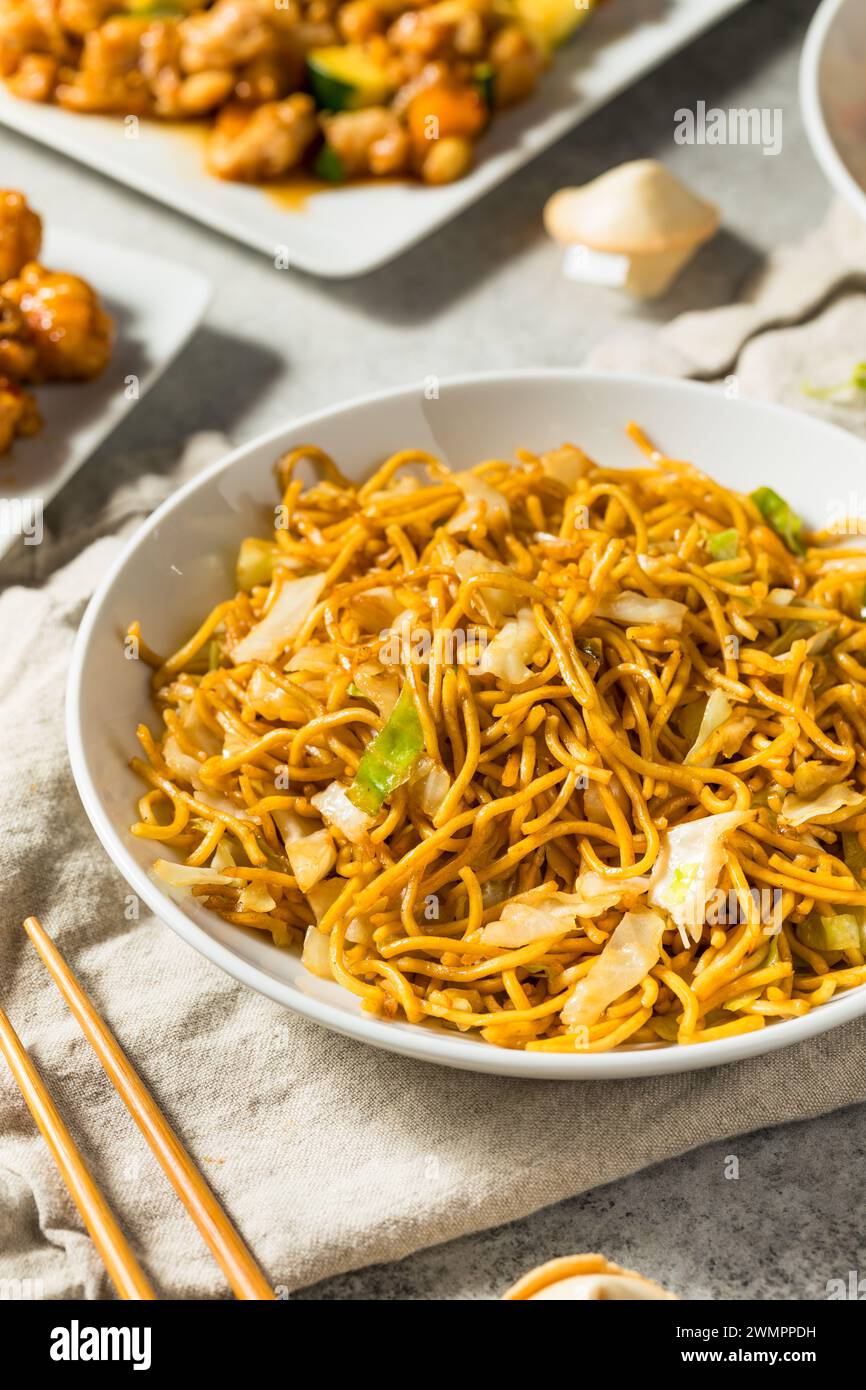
column 330, row 1155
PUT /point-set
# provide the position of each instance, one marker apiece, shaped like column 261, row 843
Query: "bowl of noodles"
column 514, row 722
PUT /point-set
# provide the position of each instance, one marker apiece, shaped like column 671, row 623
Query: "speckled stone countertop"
column 486, row 292
column 767, row 1216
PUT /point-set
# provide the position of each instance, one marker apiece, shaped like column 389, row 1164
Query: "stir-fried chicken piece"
column 228, row 35
column 262, row 142
column 69, row 328
column 17, row 349
column 359, row 20
column 173, row 93
column 35, row 78
column 20, row 233
column 370, row 141
column 30, row 26
column 19, row 414
column 266, row 79
column 517, row 65
column 109, row 77
column 81, row 17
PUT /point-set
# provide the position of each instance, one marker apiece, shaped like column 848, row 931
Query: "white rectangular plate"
column 155, row 305
column 348, row 231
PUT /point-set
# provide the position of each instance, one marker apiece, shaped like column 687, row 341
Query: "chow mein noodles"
column 565, row 756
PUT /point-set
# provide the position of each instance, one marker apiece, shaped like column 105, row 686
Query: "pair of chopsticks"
column 226, row 1245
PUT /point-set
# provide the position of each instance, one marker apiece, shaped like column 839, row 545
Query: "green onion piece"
column 328, row 166
column 781, row 517
column 846, row 390
column 724, row 545
column 255, row 564
column 354, row 691
column 390, row 757
column 854, row 854
column 838, row 932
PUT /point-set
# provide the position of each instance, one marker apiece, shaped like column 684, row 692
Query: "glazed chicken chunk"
column 19, row 414
column 262, row 142
column 229, row 34
column 20, row 233
column 31, row 26
column 69, row 329
column 17, row 350
column 52, row 325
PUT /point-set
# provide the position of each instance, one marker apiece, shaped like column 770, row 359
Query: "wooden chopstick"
column 226, row 1245
column 126, row 1273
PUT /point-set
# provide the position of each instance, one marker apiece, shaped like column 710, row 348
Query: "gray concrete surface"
column 486, row 292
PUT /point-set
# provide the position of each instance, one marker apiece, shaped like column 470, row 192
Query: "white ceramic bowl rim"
column 812, row 106
column 418, row 1041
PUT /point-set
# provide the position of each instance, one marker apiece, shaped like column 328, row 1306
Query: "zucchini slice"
column 484, row 79
column 328, row 165
column 551, row 22
column 345, row 77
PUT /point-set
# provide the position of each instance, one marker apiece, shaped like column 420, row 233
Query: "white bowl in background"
column 833, row 95
column 181, row 562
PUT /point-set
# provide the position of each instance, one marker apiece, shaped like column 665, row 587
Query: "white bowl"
column 833, row 95
column 181, row 561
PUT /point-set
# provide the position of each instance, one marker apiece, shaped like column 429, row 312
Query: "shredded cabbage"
column 255, row 897
column 687, row 868
column 336, row 809
column 567, row 464
column 636, row 609
column 629, row 956
column 183, row 765
column 716, row 711
column 500, row 602
column 293, row 605
column 429, row 785
column 796, row 810
column 838, row 931
column 222, row 857
column 255, row 563
column 381, row 688
column 311, row 858
column 544, row 911
column 316, row 955
column 322, row 896
column 481, row 499
column 266, row 697
column 512, row 648
column 191, row 875
column 316, row 657
column 531, row 916
column 595, row 894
